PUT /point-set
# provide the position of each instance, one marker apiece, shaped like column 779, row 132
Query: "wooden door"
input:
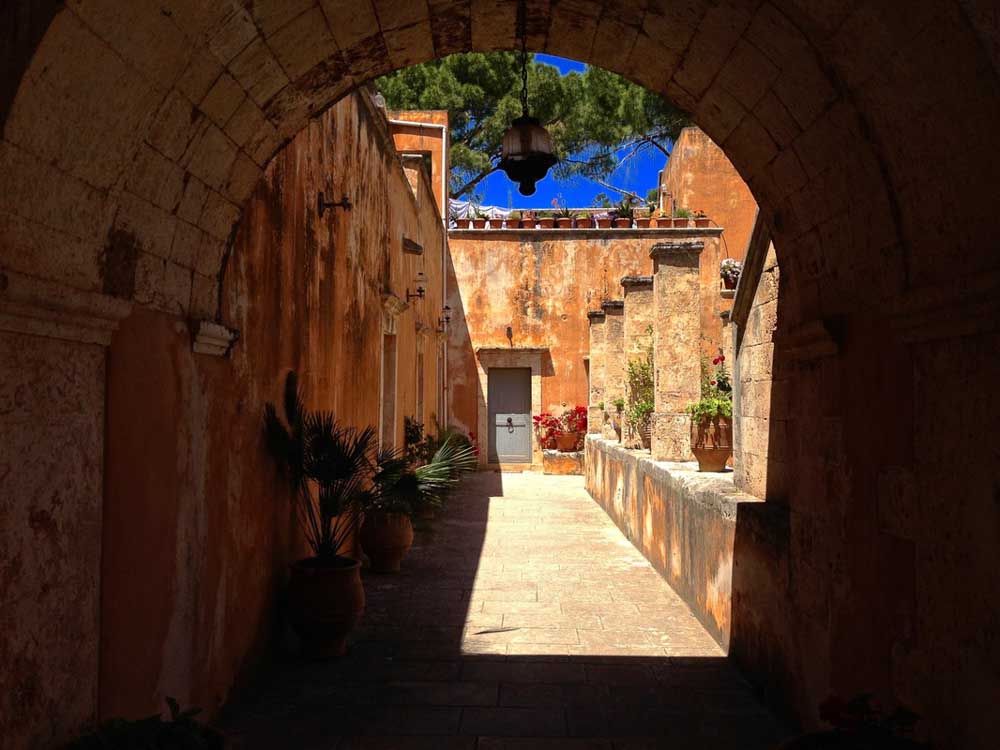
column 509, row 404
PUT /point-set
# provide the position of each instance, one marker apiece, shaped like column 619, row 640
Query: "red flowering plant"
column 548, row 426
column 716, row 391
column 547, row 429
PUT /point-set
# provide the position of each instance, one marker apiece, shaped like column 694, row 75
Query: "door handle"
column 510, row 424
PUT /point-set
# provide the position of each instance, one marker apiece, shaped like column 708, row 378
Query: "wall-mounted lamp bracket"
column 419, row 294
column 322, row 204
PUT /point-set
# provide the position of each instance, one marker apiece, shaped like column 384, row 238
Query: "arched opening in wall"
column 128, row 164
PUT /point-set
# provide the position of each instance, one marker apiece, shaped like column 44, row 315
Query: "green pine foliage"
column 591, row 115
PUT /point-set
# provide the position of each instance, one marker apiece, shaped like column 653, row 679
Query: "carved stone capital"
column 51, row 310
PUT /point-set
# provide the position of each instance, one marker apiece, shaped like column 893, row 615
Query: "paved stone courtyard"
column 522, row 619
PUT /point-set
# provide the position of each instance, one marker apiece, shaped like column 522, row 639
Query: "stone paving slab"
column 522, row 619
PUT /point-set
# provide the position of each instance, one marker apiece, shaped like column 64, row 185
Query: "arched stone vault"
column 134, row 133
column 139, row 129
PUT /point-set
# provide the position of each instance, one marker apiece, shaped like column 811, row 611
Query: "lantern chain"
column 524, row 58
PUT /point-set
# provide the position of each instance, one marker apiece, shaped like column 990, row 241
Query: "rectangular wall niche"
column 387, row 433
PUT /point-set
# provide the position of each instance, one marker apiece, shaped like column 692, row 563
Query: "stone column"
column 614, row 359
column 676, row 345
column 595, row 414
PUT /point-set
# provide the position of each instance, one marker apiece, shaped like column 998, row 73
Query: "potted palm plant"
column 712, row 418
column 327, row 466
column 623, row 214
column 563, row 216
column 401, row 490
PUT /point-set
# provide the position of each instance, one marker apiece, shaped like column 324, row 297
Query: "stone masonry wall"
column 761, row 403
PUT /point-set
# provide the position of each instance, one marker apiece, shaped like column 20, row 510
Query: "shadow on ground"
column 523, row 619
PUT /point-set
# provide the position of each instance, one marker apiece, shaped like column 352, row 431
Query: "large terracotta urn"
column 325, row 601
column 712, row 442
column 386, row 538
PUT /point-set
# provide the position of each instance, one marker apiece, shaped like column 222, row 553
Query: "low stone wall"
column 683, row 522
column 558, row 462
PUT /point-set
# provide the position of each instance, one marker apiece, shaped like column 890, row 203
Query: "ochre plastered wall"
column 541, row 284
column 197, row 527
column 699, row 177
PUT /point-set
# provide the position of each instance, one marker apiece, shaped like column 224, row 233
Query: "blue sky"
column 639, row 174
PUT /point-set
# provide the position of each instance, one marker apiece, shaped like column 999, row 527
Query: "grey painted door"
column 509, row 404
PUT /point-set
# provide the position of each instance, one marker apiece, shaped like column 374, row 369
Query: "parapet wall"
column 683, row 522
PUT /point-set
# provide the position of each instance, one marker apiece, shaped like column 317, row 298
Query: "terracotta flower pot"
column 646, row 435
column 564, row 223
column 386, row 538
column 462, row 223
column 546, row 223
column 479, row 223
column 702, row 221
column 712, row 442
column 679, row 223
column 604, row 223
column 623, row 223
column 566, row 442
column 728, row 283
column 642, row 222
column 325, row 601
column 527, row 223
column 585, row 223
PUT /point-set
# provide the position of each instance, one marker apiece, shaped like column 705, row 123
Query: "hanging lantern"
column 526, row 151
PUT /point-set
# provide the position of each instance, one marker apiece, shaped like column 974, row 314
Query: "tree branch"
column 473, row 182
column 621, row 191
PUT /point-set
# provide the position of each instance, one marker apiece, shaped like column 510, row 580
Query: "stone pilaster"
column 614, row 359
column 638, row 294
column 595, row 414
column 676, row 345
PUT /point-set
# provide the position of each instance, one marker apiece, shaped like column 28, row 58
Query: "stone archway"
column 133, row 135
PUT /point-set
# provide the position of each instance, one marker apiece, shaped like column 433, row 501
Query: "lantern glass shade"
column 526, row 153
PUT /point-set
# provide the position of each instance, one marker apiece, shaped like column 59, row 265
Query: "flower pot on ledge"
column 604, row 223
column 546, row 223
column 642, row 222
column 479, row 223
column 623, row 223
column 566, row 442
column 712, row 442
column 702, row 221
column 679, row 223
column 462, row 223
column 564, row 223
column 585, row 223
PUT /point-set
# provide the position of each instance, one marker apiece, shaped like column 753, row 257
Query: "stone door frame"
column 487, row 357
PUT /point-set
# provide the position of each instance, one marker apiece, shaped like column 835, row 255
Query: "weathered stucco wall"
column 698, row 176
column 541, row 284
column 682, row 521
column 175, row 593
